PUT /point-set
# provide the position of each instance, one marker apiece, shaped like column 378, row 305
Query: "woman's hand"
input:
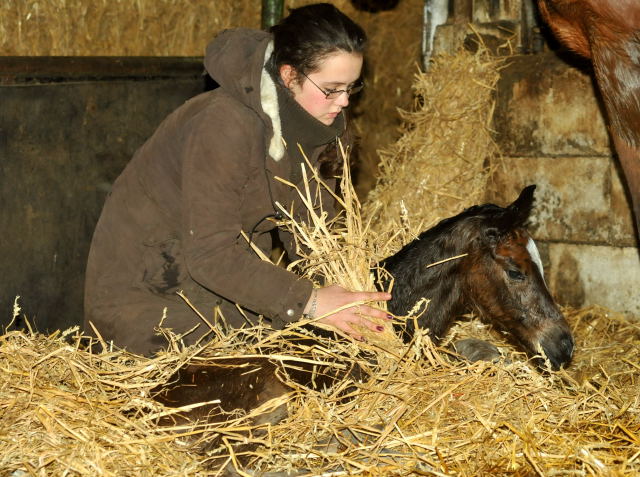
column 333, row 297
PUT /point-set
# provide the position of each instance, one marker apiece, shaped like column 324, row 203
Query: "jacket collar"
column 269, row 101
column 277, row 101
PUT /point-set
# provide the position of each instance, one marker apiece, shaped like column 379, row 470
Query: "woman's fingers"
column 363, row 314
column 367, row 323
column 368, row 311
column 372, row 296
column 351, row 311
column 352, row 332
column 357, row 316
column 343, row 323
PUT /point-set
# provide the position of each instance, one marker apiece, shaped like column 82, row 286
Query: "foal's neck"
column 425, row 269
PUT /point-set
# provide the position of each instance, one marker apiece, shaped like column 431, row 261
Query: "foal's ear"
column 515, row 215
column 501, row 222
column 518, row 213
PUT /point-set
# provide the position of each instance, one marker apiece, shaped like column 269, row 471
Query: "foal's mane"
column 454, row 236
column 474, row 232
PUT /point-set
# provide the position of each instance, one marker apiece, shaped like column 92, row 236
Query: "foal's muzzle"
column 557, row 345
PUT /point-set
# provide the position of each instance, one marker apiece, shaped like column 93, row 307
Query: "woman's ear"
column 288, row 75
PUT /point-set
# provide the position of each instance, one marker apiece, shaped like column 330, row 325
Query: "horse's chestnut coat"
column 608, row 33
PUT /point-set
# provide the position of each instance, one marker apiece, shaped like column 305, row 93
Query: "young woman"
column 174, row 217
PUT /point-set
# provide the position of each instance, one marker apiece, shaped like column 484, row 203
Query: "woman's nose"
column 343, row 99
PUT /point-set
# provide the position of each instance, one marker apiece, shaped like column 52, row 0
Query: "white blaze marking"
column 535, row 256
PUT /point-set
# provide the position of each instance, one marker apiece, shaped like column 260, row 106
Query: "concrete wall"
column 551, row 129
column 67, row 129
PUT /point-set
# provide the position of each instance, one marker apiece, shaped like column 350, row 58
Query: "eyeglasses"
column 334, row 93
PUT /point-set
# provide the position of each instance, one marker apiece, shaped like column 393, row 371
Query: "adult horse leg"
column 606, row 31
column 617, row 71
column 630, row 161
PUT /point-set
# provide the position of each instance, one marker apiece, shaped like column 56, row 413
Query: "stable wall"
column 551, row 129
column 68, row 126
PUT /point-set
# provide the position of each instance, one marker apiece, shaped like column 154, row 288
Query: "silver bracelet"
column 314, row 304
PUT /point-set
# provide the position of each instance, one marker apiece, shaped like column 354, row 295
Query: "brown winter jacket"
column 174, row 216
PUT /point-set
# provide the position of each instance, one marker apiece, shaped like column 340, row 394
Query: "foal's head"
column 499, row 274
column 504, row 281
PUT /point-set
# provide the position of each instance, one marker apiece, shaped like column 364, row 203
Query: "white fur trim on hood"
column 269, row 101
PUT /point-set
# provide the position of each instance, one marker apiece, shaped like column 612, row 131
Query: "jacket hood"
column 235, row 59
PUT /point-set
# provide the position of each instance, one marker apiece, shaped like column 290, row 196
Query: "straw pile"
column 67, row 412
column 340, row 251
column 118, row 27
column 431, row 416
column 445, row 155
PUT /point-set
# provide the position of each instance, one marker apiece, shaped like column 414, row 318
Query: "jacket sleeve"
column 217, row 153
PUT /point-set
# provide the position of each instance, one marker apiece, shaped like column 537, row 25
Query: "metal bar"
column 434, row 14
column 426, row 26
column 272, row 11
column 47, row 69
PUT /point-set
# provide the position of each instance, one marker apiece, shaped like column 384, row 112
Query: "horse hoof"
column 477, row 350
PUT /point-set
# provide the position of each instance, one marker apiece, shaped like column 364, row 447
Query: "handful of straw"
column 342, row 250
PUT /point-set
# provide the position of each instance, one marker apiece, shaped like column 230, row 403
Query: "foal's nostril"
column 558, row 347
column 567, row 345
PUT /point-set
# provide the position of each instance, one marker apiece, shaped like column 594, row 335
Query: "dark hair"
column 311, row 33
column 302, row 40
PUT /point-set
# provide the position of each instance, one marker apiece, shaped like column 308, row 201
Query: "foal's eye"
column 515, row 275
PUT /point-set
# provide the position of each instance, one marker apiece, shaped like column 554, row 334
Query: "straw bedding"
column 118, row 27
column 67, row 412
